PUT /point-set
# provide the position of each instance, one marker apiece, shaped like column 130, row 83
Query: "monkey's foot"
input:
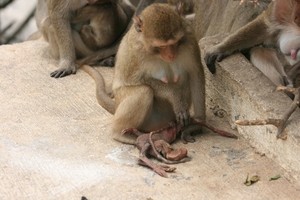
column 186, row 137
column 169, row 155
column 168, row 152
column 61, row 72
column 131, row 131
column 159, row 169
column 108, row 62
column 177, row 154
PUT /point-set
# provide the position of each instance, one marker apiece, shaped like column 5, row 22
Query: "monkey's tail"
column 102, row 96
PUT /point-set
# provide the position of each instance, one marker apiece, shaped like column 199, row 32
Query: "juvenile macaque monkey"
column 113, row 48
column 107, row 19
column 53, row 20
column 160, row 45
column 279, row 27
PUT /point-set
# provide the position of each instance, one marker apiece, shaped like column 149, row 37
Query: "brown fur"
column 53, row 21
column 275, row 27
column 142, row 100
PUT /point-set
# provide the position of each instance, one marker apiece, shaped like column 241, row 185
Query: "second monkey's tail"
column 102, row 96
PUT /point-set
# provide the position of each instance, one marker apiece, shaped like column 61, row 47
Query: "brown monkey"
column 160, row 45
column 224, row 16
column 53, row 21
column 279, row 27
column 113, row 48
column 108, row 19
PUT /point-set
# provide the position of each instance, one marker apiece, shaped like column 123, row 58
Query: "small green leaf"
column 275, row 177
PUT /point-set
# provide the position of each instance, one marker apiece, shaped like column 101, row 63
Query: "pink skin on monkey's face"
column 169, row 53
column 168, row 50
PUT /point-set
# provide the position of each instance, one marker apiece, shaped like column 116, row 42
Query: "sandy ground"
column 55, row 144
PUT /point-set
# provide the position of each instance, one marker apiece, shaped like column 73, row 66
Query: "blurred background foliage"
column 16, row 20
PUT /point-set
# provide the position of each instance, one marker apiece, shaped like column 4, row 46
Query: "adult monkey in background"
column 158, row 75
column 107, row 20
column 53, row 21
column 279, row 27
column 224, row 16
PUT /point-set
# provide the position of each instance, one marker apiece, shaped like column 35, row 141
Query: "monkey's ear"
column 138, row 24
column 179, row 8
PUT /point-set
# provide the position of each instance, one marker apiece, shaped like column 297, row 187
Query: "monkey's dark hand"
column 61, row 72
column 182, row 114
column 211, row 57
column 108, row 62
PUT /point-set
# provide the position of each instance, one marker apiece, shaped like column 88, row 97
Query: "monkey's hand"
column 211, row 57
column 64, row 71
column 182, row 113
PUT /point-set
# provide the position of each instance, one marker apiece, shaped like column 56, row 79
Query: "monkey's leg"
column 132, row 130
column 53, row 44
column 88, row 37
column 266, row 60
column 134, row 108
column 48, row 34
column 159, row 169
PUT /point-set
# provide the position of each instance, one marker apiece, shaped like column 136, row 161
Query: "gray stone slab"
column 241, row 91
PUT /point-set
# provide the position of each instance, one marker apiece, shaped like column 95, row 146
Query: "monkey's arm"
column 83, row 14
column 256, row 32
column 173, row 94
column 197, row 85
column 59, row 16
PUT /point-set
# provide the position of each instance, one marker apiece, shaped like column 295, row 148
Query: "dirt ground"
column 55, row 144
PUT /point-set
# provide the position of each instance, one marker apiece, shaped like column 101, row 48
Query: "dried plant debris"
column 252, row 180
column 279, row 123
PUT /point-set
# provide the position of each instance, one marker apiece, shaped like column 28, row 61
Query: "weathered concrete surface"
column 55, row 144
column 241, row 91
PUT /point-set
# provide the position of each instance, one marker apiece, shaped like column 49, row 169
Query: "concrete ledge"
column 240, row 91
column 55, row 144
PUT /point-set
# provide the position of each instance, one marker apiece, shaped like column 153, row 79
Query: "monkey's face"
column 167, row 50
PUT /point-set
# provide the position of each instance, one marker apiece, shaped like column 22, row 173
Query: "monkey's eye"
column 156, row 49
column 161, row 47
